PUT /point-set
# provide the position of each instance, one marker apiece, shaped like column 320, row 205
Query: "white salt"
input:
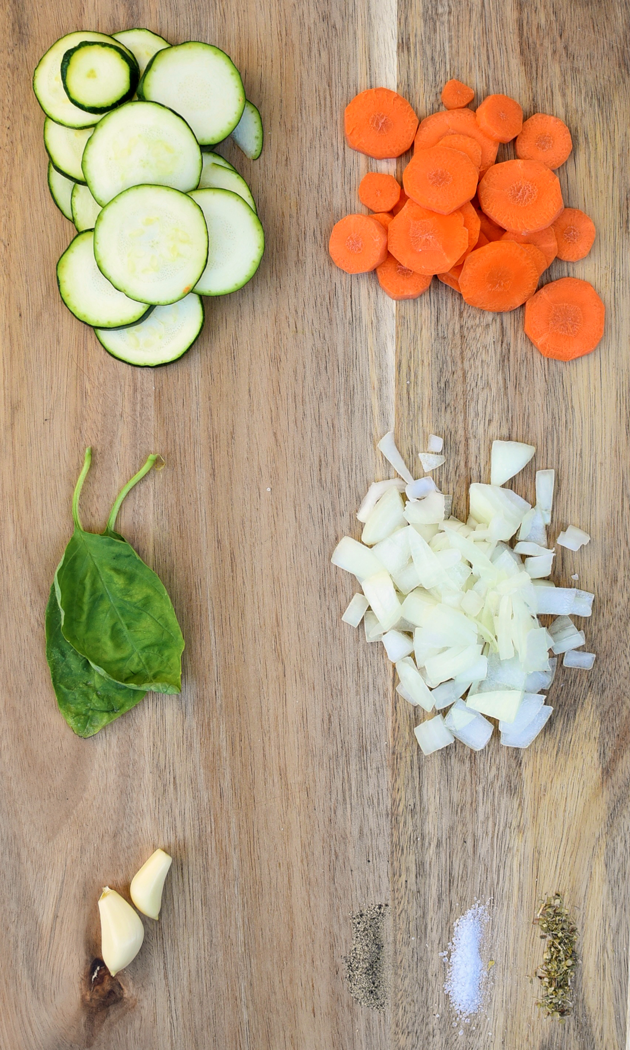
column 467, row 974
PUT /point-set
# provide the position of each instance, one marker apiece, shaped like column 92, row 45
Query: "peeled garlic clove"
column 122, row 932
column 148, row 883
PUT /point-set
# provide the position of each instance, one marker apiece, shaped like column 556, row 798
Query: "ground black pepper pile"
column 366, row 965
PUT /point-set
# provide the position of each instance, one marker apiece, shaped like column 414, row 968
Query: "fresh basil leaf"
column 86, row 699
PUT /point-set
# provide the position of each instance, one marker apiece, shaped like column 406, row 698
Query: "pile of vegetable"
column 111, row 630
column 489, row 230
column 162, row 220
column 457, row 607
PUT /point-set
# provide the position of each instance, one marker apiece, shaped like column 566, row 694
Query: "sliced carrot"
column 358, row 244
column 380, row 123
column 465, row 144
column 488, row 227
column 379, row 192
column 451, row 278
column 426, row 242
column 472, row 223
column 384, row 217
column 537, row 256
column 499, row 277
column 482, row 240
column 455, row 94
column 455, row 122
column 543, row 239
column 500, row 117
column 565, row 319
column 399, row 282
column 440, row 179
column 544, row 138
column 401, row 202
column 521, row 195
column 575, row 233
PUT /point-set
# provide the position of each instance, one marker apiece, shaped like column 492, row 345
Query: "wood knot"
column 102, row 991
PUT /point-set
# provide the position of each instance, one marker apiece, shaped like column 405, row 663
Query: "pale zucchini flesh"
column 65, row 148
column 166, row 334
column 217, row 176
column 236, row 241
column 60, row 190
column 48, row 85
column 87, row 293
column 151, row 242
column 143, row 45
column 216, row 158
column 84, row 208
column 248, row 133
column 201, row 83
column 98, row 76
column 140, row 143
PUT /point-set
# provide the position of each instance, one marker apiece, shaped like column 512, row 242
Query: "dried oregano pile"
column 560, row 958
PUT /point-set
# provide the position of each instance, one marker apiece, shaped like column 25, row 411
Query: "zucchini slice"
column 98, row 76
column 89, row 295
column 60, row 190
column 166, row 334
column 236, row 240
column 84, row 208
column 151, row 242
column 200, row 83
column 48, row 85
column 65, row 148
column 248, row 133
column 222, row 178
column 143, row 45
column 140, row 143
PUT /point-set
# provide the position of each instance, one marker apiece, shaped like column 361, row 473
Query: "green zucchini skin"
column 123, row 54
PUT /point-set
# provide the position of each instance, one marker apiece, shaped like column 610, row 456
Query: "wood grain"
column 285, row 780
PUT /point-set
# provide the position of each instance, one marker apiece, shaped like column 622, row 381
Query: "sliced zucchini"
column 236, row 240
column 143, row 45
column 151, row 242
column 222, row 178
column 89, row 295
column 166, row 334
column 248, row 133
column 98, row 76
column 65, row 148
column 61, row 190
column 48, row 85
column 200, row 83
column 140, row 143
column 84, row 208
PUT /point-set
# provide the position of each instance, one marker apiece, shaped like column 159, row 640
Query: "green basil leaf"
column 115, row 612
column 86, row 699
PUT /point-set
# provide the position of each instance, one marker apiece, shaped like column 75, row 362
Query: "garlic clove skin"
column 148, row 883
column 122, row 932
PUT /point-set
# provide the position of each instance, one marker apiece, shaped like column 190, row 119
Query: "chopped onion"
column 499, row 508
column 397, row 645
column 583, row 604
column 527, row 735
column 393, row 552
column 503, row 703
column 435, row 443
column 373, row 630
column 573, row 658
column 471, row 604
column 507, row 459
column 544, row 493
column 430, row 460
column 380, row 593
column 356, row 610
column 529, row 548
column 414, row 684
column 387, row 446
column 407, row 580
column 374, row 493
column 427, row 511
column 541, row 679
column 447, row 693
column 475, row 732
column 433, row 735
column 540, row 565
column 555, row 601
column 459, row 716
column 352, row 556
column 529, row 707
column 573, row 538
column 421, row 487
column 417, row 606
column 533, row 527
column 400, row 689
column 385, row 517
column 456, row 660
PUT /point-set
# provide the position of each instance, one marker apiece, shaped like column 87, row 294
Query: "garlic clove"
column 122, row 932
column 148, row 883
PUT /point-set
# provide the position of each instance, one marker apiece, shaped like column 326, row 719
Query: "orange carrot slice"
column 455, row 95
column 401, row 202
column 455, row 122
column 399, row 282
column 465, row 144
column 379, row 192
column 472, row 223
column 380, row 123
column 426, row 242
column 537, row 256
column 575, row 233
column 499, row 277
column 521, row 195
column 488, row 227
column 440, row 179
column 358, row 244
column 482, row 240
column 544, row 138
column 543, row 239
column 384, row 217
column 451, row 278
column 565, row 319
column 500, row 117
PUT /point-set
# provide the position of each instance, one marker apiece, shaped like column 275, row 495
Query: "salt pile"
column 467, row 974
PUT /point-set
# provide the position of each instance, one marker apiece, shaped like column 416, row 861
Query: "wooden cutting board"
column 285, row 780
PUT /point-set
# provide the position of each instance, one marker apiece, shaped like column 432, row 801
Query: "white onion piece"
column 427, row 511
column 555, row 601
column 417, row 606
column 529, row 548
column 430, row 572
column 420, row 487
column 529, row 707
column 374, row 493
column 373, row 630
column 454, row 661
column 544, row 493
column 397, row 645
column 540, row 565
column 435, row 443
column 356, row 610
column 475, row 734
column 400, row 689
column 414, row 684
column 573, row 658
column 533, row 527
column 507, row 459
column 387, row 446
column 471, row 604
column 503, row 703
column 501, row 509
column 475, row 673
column 527, row 735
column 385, row 517
column 502, row 674
column 430, row 460
column 393, row 552
column 379, row 591
column 573, row 538
column 448, row 693
column 433, row 735
column 573, row 641
column 352, row 556
column 407, row 580
column 424, row 650
column 459, row 716
column 541, row 679
column 583, row 604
